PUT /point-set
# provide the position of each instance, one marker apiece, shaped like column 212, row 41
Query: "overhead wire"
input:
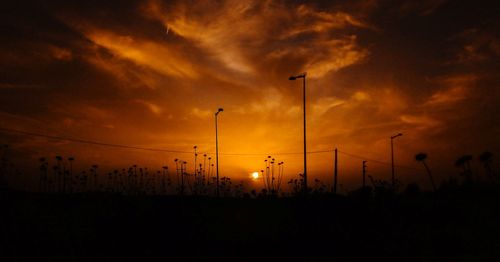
column 90, row 142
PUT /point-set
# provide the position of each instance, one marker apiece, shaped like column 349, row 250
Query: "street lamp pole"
column 303, row 76
column 392, row 159
column 217, row 150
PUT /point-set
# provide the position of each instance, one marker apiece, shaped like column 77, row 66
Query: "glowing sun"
column 255, row 175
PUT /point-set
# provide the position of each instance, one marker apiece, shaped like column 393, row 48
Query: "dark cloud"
column 151, row 73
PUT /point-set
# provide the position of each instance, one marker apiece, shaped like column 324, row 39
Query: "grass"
column 449, row 225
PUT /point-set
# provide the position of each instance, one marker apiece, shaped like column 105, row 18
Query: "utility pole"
column 195, row 156
column 335, row 173
column 392, row 160
column 364, row 174
column 183, row 163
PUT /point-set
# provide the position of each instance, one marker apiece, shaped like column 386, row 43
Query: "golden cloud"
column 455, row 88
column 240, row 33
column 146, row 53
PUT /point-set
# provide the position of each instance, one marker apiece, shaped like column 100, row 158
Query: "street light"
column 217, row 150
column 392, row 159
column 303, row 76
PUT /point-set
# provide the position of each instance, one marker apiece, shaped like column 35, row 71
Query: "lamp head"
column 303, row 75
column 219, row 110
column 400, row 134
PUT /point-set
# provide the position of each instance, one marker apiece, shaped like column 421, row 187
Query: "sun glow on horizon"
column 255, row 175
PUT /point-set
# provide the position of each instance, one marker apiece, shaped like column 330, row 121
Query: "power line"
column 82, row 141
column 90, row 142
column 376, row 161
column 277, row 154
column 362, row 157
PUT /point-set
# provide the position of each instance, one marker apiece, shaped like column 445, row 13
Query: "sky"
column 153, row 73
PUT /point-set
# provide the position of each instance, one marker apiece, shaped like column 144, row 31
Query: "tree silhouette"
column 43, row 174
column 487, row 158
column 93, row 170
column 464, row 163
column 70, row 174
column 421, row 157
column 60, row 174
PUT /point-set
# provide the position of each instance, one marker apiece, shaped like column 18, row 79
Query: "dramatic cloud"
column 152, row 73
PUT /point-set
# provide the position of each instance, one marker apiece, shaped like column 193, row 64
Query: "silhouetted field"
column 457, row 224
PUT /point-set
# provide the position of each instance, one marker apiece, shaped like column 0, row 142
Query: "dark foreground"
column 458, row 226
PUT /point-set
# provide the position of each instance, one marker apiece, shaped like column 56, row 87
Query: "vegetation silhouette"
column 139, row 213
column 421, row 157
column 486, row 158
column 463, row 162
column 272, row 176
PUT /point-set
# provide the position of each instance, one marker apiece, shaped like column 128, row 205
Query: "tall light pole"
column 392, row 159
column 303, row 76
column 217, row 150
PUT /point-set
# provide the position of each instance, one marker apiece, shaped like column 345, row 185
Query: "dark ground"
column 448, row 226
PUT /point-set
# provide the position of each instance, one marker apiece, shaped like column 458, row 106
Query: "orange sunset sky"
column 153, row 73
